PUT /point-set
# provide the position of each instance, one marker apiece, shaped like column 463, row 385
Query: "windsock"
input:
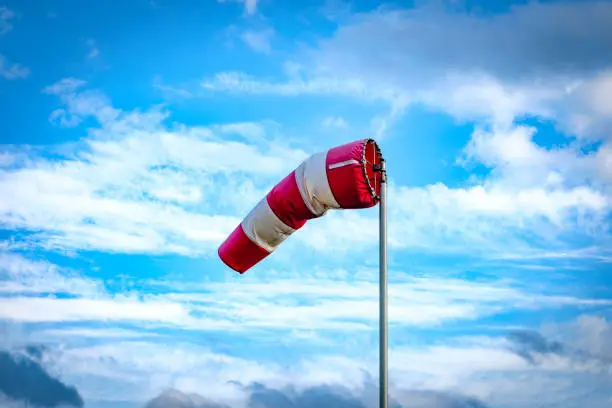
column 343, row 177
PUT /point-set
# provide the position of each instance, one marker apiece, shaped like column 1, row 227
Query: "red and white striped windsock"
column 340, row 178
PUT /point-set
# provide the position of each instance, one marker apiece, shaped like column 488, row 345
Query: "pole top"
column 382, row 169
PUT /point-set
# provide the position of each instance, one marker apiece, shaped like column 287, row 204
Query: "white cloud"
column 250, row 6
column 483, row 367
column 93, row 48
column 80, row 104
column 170, row 91
column 258, row 40
column 5, row 16
column 565, row 81
column 321, row 304
column 518, row 161
column 485, row 98
column 149, row 368
column 493, row 220
column 22, row 275
column 292, row 306
column 170, row 196
column 39, row 309
column 488, row 219
column 466, row 82
column 365, row 59
column 528, row 189
column 136, row 184
column 576, row 104
column 585, row 111
column 336, row 10
column 10, row 70
column 443, row 366
column 178, row 190
column 590, row 333
column 318, row 85
column 65, row 86
column 253, row 132
column 384, row 49
column 76, row 333
column 293, row 303
column 497, row 376
column 334, row 122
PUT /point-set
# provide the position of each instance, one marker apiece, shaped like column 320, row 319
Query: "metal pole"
column 383, row 375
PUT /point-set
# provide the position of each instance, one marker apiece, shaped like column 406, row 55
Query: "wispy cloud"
column 364, row 57
column 529, row 187
column 240, row 82
column 21, row 275
column 179, row 188
column 472, row 259
column 94, row 51
column 590, row 333
column 334, row 122
column 258, row 40
column 91, row 333
column 172, row 91
column 171, row 182
column 289, row 307
column 566, row 84
column 294, row 303
column 250, row 6
column 443, row 373
column 297, row 84
column 10, row 70
column 6, row 16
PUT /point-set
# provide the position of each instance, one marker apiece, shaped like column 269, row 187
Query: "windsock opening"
column 352, row 176
column 343, row 177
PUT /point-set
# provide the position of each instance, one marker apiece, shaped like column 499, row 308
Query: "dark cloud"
column 535, row 39
column 24, row 379
column 324, row 396
column 36, row 351
column 527, row 343
column 177, row 399
column 321, row 396
column 586, row 340
column 589, row 334
column 437, row 399
column 263, row 397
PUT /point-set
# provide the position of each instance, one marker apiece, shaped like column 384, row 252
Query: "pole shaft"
column 383, row 340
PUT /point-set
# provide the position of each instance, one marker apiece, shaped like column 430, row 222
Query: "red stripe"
column 287, row 203
column 239, row 252
column 347, row 183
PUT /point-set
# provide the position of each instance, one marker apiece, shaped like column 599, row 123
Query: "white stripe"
column 311, row 178
column 343, row 163
column 264, row 228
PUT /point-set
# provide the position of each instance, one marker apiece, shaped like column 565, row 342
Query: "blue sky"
column 136, row 135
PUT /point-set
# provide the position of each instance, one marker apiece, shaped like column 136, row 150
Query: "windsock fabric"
column 340, row 178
